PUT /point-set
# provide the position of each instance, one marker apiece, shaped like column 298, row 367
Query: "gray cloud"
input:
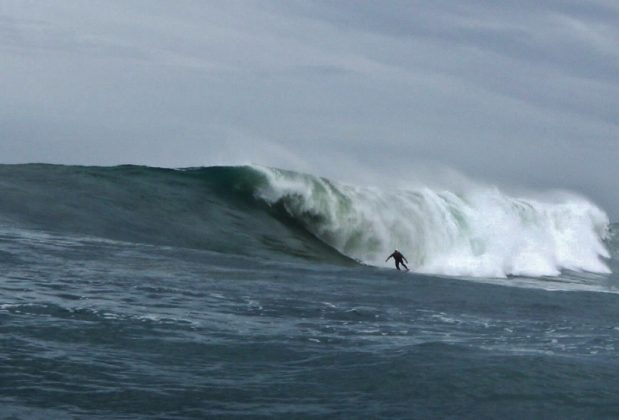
column 523, row 93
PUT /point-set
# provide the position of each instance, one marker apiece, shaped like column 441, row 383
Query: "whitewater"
column 480, row 232
column 249, row 291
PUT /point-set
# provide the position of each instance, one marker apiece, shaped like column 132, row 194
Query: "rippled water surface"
column 97, row 328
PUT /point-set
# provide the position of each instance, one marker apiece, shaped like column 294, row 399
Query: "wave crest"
column 481, row 232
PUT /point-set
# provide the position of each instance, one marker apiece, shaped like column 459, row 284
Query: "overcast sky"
column 519, row 92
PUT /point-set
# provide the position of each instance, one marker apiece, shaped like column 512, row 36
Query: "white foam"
column 479, row 231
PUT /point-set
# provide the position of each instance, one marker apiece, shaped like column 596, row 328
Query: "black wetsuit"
column 399, row 259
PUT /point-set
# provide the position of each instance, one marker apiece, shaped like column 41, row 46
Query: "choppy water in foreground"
column 221, row 293
column 92, row 328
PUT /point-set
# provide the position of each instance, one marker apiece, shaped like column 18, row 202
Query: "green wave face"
column 206, row 208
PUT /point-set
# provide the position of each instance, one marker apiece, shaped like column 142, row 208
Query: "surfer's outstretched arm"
column 390, row 256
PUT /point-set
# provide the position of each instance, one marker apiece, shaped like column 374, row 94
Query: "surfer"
column 398, row 258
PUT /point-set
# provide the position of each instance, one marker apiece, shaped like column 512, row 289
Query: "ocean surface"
column 252, row 292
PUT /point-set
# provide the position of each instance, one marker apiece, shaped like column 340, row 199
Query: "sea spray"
column 480, row 232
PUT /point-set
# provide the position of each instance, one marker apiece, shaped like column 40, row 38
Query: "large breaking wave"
column 475, row 231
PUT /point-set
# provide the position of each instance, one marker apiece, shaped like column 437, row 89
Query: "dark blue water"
column 94, row 326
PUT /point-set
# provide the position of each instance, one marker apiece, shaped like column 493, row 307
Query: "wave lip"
column 479, row 232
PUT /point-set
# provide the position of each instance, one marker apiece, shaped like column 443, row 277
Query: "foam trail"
column 480, row 232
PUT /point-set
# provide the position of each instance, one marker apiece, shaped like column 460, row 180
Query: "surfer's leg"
column 397, row 265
